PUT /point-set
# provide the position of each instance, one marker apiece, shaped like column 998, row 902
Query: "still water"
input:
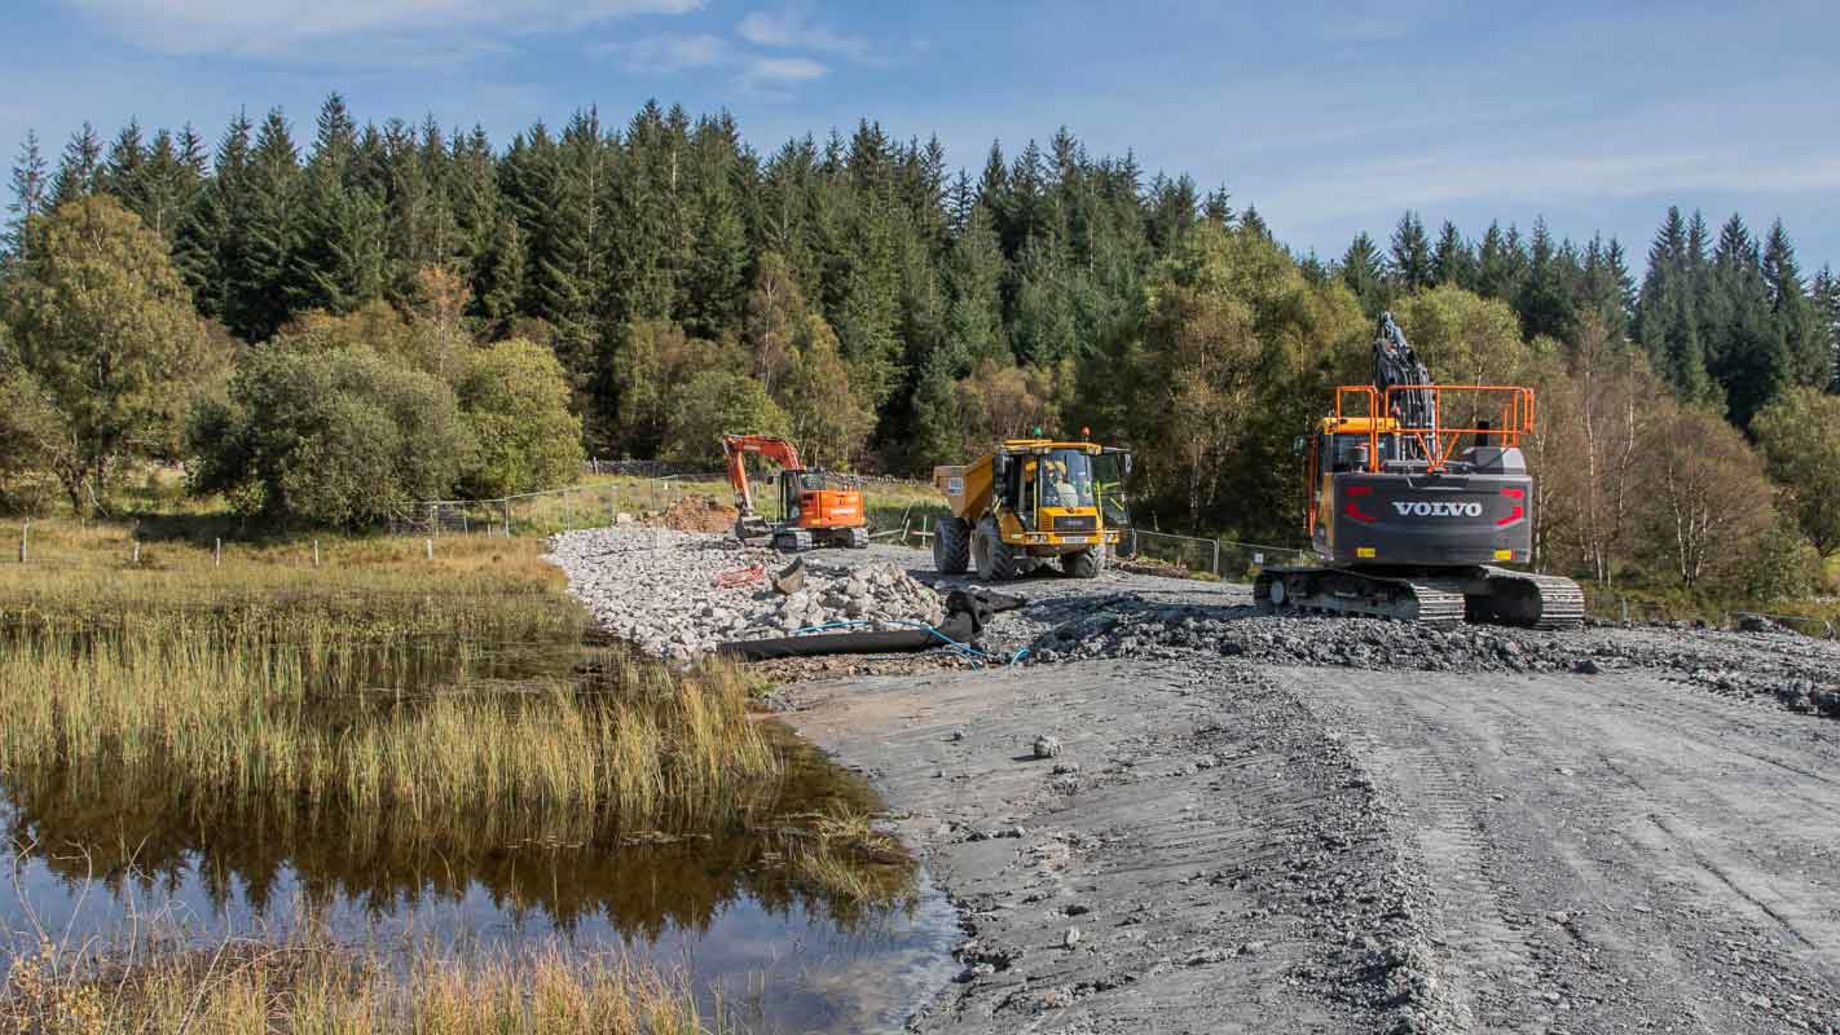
column 725, row 906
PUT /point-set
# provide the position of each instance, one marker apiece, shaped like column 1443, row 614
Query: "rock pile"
column 882, row 594
column 658, row 588
column 1769, row 664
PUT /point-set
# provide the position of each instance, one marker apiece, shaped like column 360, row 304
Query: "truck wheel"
column 1081, row 565
column 996, row 559
column 951, row 546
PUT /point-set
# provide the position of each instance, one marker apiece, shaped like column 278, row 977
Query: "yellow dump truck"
column 1032, row 501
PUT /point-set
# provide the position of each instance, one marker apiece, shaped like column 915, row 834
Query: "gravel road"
column 1608, row 855
column 1258, row 824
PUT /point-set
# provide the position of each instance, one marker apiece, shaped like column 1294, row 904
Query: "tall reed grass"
column 306, row 985
column 240, row 718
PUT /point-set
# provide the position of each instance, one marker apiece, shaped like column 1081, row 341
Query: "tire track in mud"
column 1611, row 851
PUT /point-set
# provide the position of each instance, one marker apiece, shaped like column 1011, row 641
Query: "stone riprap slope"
column 664, row 590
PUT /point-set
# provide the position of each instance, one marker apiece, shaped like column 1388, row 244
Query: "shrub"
column 343, row 437
column 716, row 403
column 515, row 397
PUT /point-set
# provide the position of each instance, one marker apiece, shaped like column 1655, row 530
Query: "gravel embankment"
column 659, row 589
column 679, row 594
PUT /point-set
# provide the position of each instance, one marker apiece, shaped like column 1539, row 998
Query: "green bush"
column 342, row 438
column 716, row 403
column 515, row 398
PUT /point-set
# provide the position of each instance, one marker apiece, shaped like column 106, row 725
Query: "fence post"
column 1625, row 610
column 429, row 544
column 316, row 553
column 505, row 505
column 1216, row 558
column 137, row 552
column 217, row 553
column 568, row 512
column 25, row 533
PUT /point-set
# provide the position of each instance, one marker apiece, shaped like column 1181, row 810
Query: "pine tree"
column 1793, row 318
column 1453, row 261
column 167, row 186
column 79, row 172
column 499, row 276
column 1746, row 356
column 1826, row 301
column 1667, row 319
column 123, row 170
column 1361, row 272
column 1217, row 208
column 974, row 272
column 1544, row 298
column 337, row 260
column 1410, row 265
column 1499, row 263
column 713, row 288
column 264, row 226
column 31, row 184
column 209, row 243
column 1251, row 222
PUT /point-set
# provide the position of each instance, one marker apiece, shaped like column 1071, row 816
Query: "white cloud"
column 255, row 28
column 785, row 70
column 669, row 52
column 770, row 79
column 793, row 29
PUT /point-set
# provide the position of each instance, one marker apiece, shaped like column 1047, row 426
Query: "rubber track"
column 1440, row 601
column 1561, row 599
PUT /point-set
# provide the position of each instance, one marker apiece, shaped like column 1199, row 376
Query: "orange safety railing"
column 1511, row 407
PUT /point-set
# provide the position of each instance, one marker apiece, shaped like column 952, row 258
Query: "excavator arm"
column 1396, row 366
column 736, row 448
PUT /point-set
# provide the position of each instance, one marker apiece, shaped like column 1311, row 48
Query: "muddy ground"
column 1254, row 824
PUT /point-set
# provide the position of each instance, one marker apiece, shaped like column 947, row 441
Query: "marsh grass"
column 393, row 699
column 306, row 984
column 82, row 576
column 239, row 718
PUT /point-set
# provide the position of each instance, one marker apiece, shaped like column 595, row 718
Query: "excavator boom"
column 736, row 448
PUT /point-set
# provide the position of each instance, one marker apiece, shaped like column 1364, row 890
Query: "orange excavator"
column 816, row 507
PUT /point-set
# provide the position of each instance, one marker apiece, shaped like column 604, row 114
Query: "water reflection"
column 753, row 904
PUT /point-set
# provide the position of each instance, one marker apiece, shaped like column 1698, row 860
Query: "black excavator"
column 1417, row 493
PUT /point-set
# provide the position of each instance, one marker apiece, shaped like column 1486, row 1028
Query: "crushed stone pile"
column 1766, row 663
column 659, row 589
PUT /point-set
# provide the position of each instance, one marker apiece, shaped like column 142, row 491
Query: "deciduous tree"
column 104, row 325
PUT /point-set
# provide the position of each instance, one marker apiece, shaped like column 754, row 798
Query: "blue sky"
column 1331, row 117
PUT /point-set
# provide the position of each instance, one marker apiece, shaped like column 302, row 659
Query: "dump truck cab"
column 1031, row 501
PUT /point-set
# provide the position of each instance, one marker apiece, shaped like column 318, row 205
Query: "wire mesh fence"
column 557, row 510
column 1225, row 559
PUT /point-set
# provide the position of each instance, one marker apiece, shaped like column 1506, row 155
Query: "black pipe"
column 959, row 628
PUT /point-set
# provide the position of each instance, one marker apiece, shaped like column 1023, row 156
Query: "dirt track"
column 1609, row 854
column 1652, row 844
